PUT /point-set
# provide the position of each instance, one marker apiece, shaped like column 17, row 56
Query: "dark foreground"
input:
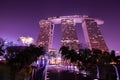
column 107, row 72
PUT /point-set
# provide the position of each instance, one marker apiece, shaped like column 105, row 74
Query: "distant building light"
column 117, row 51
column 26, row 40
column 5, row 42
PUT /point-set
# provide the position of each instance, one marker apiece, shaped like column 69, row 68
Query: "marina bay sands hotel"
column 90, row 27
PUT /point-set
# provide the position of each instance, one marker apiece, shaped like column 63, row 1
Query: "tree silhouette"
column 1, row 50
column 112, row 54
column 22, row 56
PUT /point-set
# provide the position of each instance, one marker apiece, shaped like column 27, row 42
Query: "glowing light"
column 112, row 62
column 26, row 40
column 37, row 62
column 76, row 18
column 54, row 60
column 2, row 58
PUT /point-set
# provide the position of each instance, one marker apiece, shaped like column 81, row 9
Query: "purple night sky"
column 21, row 17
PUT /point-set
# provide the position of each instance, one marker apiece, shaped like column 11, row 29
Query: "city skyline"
column 21, row 18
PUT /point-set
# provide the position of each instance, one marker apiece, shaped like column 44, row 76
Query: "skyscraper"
column 46, row 33
column 69, row 36
column 93, row 36
column 92, row 33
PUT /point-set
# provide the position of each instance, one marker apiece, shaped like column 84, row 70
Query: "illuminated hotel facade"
column 90, row 26
column 93, row 36
column 45, row 36
column 69, row 36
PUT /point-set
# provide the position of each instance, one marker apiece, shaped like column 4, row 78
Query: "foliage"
column 1, row 50
column 88, row 57
column 22, row 56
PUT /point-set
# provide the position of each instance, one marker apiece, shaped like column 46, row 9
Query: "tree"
column 105, row 58
column 1, row 47
column 20, row 58
column 1, row 50
column 96, row 54
column 64, row 50
column 112, row 54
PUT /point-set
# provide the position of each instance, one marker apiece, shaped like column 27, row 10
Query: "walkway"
column 54, row 72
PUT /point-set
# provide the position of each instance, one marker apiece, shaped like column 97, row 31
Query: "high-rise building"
column 69, row 36
column 92, row 33
column 46, row 33
column 93, row 36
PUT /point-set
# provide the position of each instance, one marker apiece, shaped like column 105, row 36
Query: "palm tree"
column 85, row 55
column 115, row 58
column 104, row 58
column 96, row 54
column 73, row 57
column 64, row 50
column 112, row 54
